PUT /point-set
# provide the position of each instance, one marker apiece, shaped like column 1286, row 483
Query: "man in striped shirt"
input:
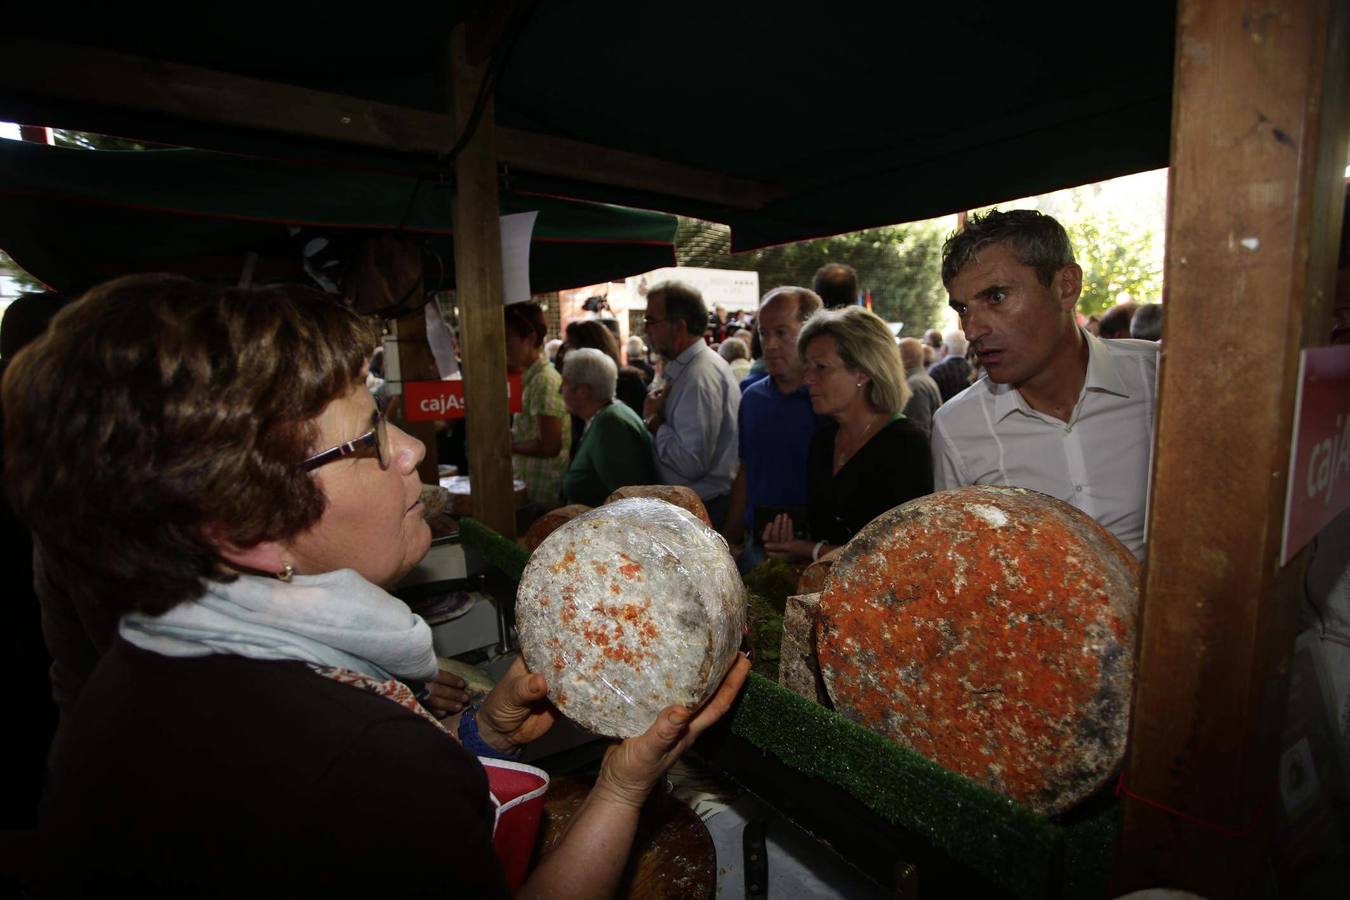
column 1059, row 411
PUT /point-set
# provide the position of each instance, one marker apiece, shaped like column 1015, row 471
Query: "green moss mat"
column 505, row 556
column 774, row 581
column 766, row 634
column 997, row 838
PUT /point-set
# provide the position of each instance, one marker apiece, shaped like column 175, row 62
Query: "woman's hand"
column 778, row 538
column 447, row 695
column 632, row 768
column 517, row 711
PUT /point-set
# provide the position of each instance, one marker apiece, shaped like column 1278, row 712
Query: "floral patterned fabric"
column 541, row 395
column 393, row 689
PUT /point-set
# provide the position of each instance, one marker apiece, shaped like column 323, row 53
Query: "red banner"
column 1319, row 463
column 432, row 401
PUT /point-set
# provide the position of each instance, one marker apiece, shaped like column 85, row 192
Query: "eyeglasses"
column 648, row 320
column 377, row 438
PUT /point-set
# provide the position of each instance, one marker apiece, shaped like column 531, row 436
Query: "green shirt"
column 540, row 395
column 615, row 451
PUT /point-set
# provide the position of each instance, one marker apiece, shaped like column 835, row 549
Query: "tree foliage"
column 26, row 283
column 1118, row 261
column 899, row 265
column 1117, row 229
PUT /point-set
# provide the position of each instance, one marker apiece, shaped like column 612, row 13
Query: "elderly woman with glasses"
column 615, row 449
column 208, row 463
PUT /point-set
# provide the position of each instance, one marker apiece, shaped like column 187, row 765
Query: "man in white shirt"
column 693, row 417
column 1059, row 411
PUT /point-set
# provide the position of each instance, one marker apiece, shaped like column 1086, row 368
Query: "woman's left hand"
column 777, row 538
column 517, row 711
column 447, row 695
column 632, row 768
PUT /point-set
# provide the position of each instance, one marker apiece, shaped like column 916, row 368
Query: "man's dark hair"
column 1037, row 239
column 1147, row 322
column 685, row 304
column 837, row 285
column 1115, row 321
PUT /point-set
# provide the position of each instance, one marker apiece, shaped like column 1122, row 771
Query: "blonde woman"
column 872, row 458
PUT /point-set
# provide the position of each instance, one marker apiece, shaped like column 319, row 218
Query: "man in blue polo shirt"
column 775, row 424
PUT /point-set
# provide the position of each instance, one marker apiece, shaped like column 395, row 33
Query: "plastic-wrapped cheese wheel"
column 992, row 630
column 627, row 609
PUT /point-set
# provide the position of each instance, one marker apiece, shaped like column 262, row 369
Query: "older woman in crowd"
column 632, row 384
column 222, row 479
column 615, row 448
column 737, row 354
column 637, row 358
column 872, row 458
column 541, row 442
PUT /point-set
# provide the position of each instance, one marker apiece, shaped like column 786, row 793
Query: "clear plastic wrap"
column 627, row 609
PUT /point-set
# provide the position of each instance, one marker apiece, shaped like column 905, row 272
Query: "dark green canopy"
column 851, row 114
column 74, row 217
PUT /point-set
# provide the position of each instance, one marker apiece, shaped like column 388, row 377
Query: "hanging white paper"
column 438, row 336
column 517, row 230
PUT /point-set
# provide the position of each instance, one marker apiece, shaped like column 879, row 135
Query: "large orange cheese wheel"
column 992, row 630
column 548, row 523
column 678, row 494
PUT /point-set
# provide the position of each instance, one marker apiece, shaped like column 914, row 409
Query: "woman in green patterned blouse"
column 540, row 444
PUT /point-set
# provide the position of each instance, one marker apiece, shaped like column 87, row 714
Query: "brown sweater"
column 224, row 776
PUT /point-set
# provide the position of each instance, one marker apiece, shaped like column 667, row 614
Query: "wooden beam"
column 547, row 155
column 416, row 363
column 478, row 290
column 120, row 81
column 1258, row 152
column 88, row 76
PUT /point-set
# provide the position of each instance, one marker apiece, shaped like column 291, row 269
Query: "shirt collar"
column 1101, row 373
column 677, row 365
column 1101, row 377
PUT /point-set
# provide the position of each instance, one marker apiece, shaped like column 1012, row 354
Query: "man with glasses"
column 693, row 417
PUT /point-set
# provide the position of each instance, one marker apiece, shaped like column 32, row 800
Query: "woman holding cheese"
column 209, row 461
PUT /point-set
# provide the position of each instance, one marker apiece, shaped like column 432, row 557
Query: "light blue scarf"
column 334, row 619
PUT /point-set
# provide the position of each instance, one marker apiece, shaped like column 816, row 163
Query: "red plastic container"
column 518, row 792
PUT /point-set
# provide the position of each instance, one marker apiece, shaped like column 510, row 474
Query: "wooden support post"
column 416, row 363
column 478, row 290
column 1258, row 152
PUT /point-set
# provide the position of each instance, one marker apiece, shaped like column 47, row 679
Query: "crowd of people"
column 800, row 423
column 237, row 611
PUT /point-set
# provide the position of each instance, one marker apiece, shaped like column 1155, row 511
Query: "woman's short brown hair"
column 155, row 407
column 593, row 334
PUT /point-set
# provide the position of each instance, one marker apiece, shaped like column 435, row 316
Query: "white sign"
column 719, row 287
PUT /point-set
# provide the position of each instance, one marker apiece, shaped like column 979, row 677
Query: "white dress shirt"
column 697, row 446
column 1098, row 460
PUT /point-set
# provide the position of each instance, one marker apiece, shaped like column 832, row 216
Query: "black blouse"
column 895, row 465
